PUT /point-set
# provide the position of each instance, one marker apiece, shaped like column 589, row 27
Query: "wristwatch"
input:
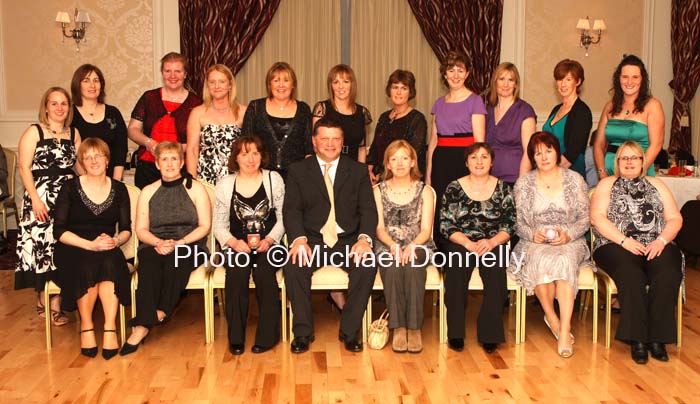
column 367, row 238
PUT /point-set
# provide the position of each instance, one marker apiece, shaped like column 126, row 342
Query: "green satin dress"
column 618, row 131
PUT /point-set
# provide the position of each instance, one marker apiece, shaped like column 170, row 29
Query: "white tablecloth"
column 684, row 189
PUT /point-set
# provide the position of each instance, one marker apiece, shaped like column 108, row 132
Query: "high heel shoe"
column 329, row 299
column 556, row 334
column 109, row 353
column 89, row 352
column 128, row 349
column 565, row 352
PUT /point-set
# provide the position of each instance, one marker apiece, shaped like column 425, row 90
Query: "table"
column 684, row 189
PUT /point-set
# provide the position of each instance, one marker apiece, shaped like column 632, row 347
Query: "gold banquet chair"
column 9, row 202
column 330, row 278
column 434, row 282
column 199, row 278
column 588, row 284
column 217, row 281
column 129, row 250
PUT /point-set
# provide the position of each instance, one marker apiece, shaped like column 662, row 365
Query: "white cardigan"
column 274, row 189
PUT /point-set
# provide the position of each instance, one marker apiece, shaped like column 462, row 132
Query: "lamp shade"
column 599, row 25
column 583, row 23
column 82, row 16
column 63, row 17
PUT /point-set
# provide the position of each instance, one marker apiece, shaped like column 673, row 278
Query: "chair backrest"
column 11, row 158
column 129, row 248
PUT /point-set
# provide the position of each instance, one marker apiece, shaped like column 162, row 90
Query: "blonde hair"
column 394, row 147
column 169, row 146
column 44, row 111
column 503, row 67
column 637, row 149
column 206, row 95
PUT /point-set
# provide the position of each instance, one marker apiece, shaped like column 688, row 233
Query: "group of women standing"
column 492, row 176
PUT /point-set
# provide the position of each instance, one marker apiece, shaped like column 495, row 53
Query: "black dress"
column 78, row 269
column 354, row 126
column 111, row 129
column 411, row 127
column 286, row 139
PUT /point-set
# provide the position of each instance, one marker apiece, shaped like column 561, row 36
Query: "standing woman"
column 46, row 160
column 249, row 221
column 214, row 126
column 281, row 121
column 632, row 114
column 88, row 259
column 402, row 121
column 174, row 211
column 161, row 115
column 459, row 121
column 510, row 122
column 405, row 208
column 354, row 119
column 93, row 118
column 477, row 217
column 571, row 120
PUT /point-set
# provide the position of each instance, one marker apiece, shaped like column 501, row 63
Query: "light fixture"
column 82, row 19
column 586, row 40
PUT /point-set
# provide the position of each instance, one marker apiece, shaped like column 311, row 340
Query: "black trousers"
column 161, row 284
column 489, row 324
column 267, row 293
column 146, row 173
column 298, row 282
column 645, row 315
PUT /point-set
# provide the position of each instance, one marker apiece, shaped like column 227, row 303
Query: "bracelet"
column 663, row 240
column 148, row 142
column 623, row 241
column 601, row 170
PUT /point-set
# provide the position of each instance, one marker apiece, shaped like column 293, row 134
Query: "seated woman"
column 405, row 208
column 87, row 255
column 552, row 203
column 635, row 218
column 477, row 217
column 173, row 211
column 249, row 221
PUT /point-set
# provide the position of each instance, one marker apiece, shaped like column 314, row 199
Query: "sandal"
column 58, row 318
column 40, row 309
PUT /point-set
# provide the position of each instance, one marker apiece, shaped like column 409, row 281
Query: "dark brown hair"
column 277, row 68
column 342, row 71
column 242, row 143
column 546, row 139
column 644, row 91
column 404, row 77
column 81, row 73
column 327, row 122
column 474, row 147
column 453, row 59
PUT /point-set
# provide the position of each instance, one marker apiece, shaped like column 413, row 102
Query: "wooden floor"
column 175, row 365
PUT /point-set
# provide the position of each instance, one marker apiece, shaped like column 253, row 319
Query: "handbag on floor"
column 379, row 332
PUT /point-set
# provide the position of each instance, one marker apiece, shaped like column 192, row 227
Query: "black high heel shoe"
column 89, row 352
column 109, row 353
column 128, row 349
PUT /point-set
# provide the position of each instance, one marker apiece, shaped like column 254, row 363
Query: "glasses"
column 96, row 157
column 629, row 158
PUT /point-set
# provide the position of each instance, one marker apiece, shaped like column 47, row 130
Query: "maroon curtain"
column 221, row 31
column 685, row 52
column 472, row 27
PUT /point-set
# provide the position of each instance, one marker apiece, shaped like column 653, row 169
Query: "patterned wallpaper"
column 551, row 35
column 119, row 42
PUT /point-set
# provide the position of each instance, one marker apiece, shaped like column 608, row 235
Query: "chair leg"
column 679, row 321
column 442, row 314
column 47, row 314
column 4, row 221
column 523, row 313
column 122, row 324
column 291, row 324
column 608, row 315
column 435, row 298
column 518, row 315
column 283, row 303
column 594, row 309
column 134, row 283
column 368, row 318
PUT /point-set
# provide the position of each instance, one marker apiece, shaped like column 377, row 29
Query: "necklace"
column 627, row 112
column 281, row 107
column 400, row 192
column 56, row 134
column 543, row 182
column 396, row 114
column 476, row 188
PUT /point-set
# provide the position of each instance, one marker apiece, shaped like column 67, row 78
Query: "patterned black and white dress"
column 214, row 149
column 51, row 167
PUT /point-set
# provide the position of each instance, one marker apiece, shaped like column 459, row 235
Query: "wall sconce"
column 82, row 19
column 586, row 40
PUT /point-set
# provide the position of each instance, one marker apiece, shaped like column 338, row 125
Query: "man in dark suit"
column 329, row 208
